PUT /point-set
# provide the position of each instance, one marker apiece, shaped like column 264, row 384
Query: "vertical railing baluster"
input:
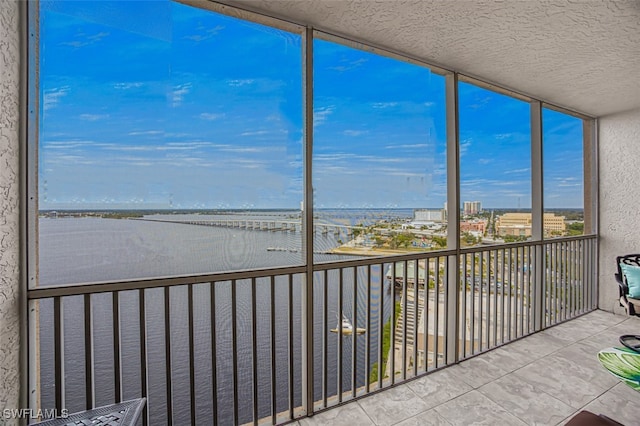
column 578, row 283
column 583, row 275
column 416, row 299
column 526, row 301
column 555, row 281
column 592, row 276
column 565, row 280
column 393, row 324
column 548, row 250
column 117, row 356
column 445, row 313
column 559, row 280
column 381, row 325
column 272, row 322
column 325, row 338
column 481, row 301
column 565, row 274
column 214, row 354
column 354, row 335
column 579, row 278
column 340, row 334
column 589, row 259
column 576, row 276
column 254, row 350
column 519, row 274
column 192, row 363
column 167, row 354
column 487, row 324
column 567, row 277
column 530, row 289
column 427, row 313
column 463, row 310
column 436, row 320
column 572, row 292
column 234, row 350
column 502, row 294
column 495, row 298
column 291, row 357
column 142, row 310
column 524, row 292
column 472, row 315
column 88, row 354
column 367, row 346
column 509, row 284
column 554, row 273
column 405, row 295
column 58, row 356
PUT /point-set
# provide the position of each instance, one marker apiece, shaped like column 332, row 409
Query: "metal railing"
column 229, row 346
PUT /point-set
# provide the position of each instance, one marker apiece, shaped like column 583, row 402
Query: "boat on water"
column 345, row 327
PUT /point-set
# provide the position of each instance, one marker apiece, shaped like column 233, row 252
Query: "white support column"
column 11, row 300
column 590, row 147
column 453, row 220
column 307, row 226
column 537, row 212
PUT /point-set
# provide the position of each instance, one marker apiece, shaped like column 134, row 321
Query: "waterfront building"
column 519, row 224
column 427, row 216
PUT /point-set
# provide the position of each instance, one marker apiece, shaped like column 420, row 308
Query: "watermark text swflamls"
column 32, row 413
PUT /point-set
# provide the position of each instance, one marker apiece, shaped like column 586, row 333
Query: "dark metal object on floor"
column 124, row 413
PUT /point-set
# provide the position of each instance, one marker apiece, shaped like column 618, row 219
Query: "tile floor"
column 543, row 379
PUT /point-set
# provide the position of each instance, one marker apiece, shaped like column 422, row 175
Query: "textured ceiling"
column 580, row 54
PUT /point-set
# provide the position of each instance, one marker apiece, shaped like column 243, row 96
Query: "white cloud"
column 52, row 96
column 501, row 136
column 526, row 169
column 146, row 133
column 179, row 92
column 85, row 40
column 464, row 146
column 240, row 82
column 321, row 114
column 210, row 116
column 93, row 117
column 127, row 86
column 408, row 146
column 255, row 133
column 348, row 65
column 205, row 33
column 355, row 132
column 384, row 105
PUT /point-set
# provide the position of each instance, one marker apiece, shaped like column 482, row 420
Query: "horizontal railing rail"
column 229, row 346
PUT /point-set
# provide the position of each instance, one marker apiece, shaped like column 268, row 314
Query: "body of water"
column 80, row 250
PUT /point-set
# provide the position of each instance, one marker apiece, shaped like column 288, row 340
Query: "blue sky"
column 152, row 104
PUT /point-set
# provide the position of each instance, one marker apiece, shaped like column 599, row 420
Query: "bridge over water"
column 263, row 225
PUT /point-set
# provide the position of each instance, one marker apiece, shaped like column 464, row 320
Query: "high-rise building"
column 472, row 207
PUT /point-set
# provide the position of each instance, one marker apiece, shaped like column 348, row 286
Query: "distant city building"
column 428, row 217
column 471, row 208
column 519, row 224
column 476, row 227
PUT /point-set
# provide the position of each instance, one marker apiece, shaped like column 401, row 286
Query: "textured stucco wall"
column 9, row 217
column 619, row 154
